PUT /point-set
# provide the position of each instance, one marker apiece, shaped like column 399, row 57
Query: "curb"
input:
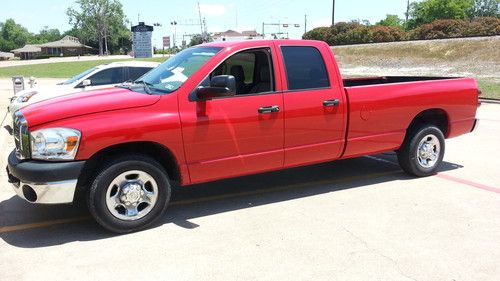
column 492, row 101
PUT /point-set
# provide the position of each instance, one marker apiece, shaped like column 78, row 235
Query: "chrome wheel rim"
column 131, row 195
column 428, row 151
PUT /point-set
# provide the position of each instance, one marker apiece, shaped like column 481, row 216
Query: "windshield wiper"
column 146, row 86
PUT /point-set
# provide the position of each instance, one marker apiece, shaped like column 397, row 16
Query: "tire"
column 422, row 151
column 129, row 193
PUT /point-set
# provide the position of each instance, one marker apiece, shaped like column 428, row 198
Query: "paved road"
column 357, row 219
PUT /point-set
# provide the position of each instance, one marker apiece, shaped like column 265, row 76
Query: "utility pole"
column 201, row 21
column 333, row 13
column 408, row 11
column 305, row 23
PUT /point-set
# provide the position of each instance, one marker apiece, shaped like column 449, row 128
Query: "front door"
column 236, row 135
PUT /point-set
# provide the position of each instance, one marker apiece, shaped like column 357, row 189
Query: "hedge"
column 355, row 33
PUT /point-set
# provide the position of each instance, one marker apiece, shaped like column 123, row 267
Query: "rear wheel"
column 422, row 151
column 129, row 194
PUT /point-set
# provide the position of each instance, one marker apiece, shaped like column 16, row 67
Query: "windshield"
column 170, row 75
column 78, row 77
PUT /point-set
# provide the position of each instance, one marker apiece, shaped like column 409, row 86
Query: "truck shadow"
column 205, row 199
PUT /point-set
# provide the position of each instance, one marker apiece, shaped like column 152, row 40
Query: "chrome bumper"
column 46, row 193
column 42, row 182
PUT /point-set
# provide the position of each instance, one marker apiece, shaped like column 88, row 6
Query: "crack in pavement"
column 377, row 252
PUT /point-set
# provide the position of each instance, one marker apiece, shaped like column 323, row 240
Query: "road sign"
column 166, row 41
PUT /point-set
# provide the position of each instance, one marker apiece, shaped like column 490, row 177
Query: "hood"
column 85, row 103
column 47, row 89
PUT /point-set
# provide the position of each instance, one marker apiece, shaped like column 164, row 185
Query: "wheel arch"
column 434, row 116
column 152, row 149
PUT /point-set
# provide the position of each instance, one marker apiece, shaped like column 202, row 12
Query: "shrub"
column 355, row 33
column 320, row 33
column 487, row 26
column 440, row 29
column 344, row 33
column 387, row 34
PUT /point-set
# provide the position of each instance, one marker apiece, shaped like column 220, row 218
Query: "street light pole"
column 174, row 23
column 333, row 13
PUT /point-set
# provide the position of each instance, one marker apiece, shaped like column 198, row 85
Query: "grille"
column 21, row 136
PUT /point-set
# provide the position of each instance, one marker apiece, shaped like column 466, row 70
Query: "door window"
column 251, row 69
column 135, row 72
column 305, row 68
column 107, row 76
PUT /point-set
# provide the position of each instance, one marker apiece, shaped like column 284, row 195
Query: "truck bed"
column 381, row 108
column 370, row 81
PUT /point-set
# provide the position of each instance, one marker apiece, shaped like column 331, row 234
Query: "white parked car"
column 99, row 77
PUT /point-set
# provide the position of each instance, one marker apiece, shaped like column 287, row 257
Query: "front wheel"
column 129, row 193
column 422, row 151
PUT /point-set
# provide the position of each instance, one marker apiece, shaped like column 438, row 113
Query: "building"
column 67, row 46
column 6, row 56
column 27, row 52
column 231, row 35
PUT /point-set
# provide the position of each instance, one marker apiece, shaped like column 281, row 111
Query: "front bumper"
column 44, row 182
column 476, row 124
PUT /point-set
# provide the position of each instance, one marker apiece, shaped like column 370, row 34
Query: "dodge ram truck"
column 222, row 110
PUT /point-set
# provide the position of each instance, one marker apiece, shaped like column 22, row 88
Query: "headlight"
column 56, row 144
column 26, row 97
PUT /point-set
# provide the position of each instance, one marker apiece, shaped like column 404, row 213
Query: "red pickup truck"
column 223, row 110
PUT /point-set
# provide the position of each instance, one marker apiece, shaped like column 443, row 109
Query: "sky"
column 220, row 15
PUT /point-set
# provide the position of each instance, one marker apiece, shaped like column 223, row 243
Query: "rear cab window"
column 305, row 68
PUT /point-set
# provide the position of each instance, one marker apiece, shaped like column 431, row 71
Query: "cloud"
column 212, row 10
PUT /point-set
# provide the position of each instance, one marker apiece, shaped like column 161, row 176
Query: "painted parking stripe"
column 13, row 228
column 448, row 177
column 469, row 183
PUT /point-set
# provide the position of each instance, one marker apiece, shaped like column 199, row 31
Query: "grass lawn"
column 490, row 89
column 59, row 69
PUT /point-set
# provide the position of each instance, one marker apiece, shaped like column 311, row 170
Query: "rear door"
column 236, row 135
column 314, row 106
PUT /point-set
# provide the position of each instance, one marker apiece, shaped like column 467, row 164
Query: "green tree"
column 46, row 35
column 391, row 20
column 485, row 8
column 102, row 21
column 198, row 39
column 430, row 10
column 13, row 35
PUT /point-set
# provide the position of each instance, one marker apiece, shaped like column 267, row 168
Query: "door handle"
column 334, row 102
column 269, row 109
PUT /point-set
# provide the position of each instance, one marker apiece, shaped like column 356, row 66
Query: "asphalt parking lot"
column 356, row 219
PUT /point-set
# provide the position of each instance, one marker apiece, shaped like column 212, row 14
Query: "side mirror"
column 220, row 86
column 86, row 82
